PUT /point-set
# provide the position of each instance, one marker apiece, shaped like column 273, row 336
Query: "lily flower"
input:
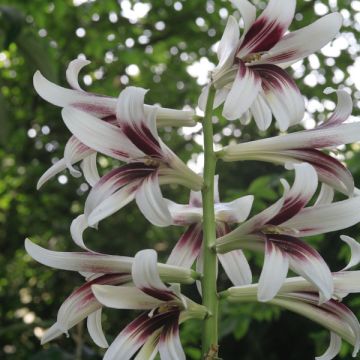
column 250, row 73
column 277, row 231
column 157, row 329
column 149, row 163
column 98, row 269
column 103, row 107
column 299, row 295
column 305, row 146
column 189, row 247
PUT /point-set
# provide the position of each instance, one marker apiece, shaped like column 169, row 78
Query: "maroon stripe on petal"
column 293, row 246
column 263, row 35
column 94, row 108
column 145, row 324
column 82, row 300
column 163, row 295
column 273, row 77
column 127, row 173
column 290, row 208
column 329, row 169
column 143, row 139
column 192, row 238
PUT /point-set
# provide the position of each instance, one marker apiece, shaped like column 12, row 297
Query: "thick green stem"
column 209, row 289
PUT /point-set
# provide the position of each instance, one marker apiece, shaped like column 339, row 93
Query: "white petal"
column 95, row 329
column 59, row 96
column 130, row 106
column 282, row 95
column 79, row 261
column 203, row 97
column 228, row 43
column 100, row 135
column 90, row 171
column 313, row 139
column 326, row 195
column 169, row 343
column 355, row 251
column 342, row 111
column 138, row 127
column 128, row 342
column 51, row 333
column 268, row 29
column 326, row 218
column 184, row 214
column 112, row 204
column 220, row 96
column 301, row 192
column 75, row 150
column 195, row 199
column 333, row 349
column 235, row 211
column 236, row 267
column 274, row 271
column 73, row 70
column 247, row 11
column 261, row 112
column 77, row 228
column 124, row 297
column 243, row 93
column 81, row 303
column 187, row 248
column 151, row 202
column 146, row 276
column 307, row 262
column 51, row 172
column 150, row 349
column 114, row 190
column 296, row 45
column 332, row 315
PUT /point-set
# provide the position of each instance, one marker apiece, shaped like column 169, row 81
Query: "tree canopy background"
column 165, row 46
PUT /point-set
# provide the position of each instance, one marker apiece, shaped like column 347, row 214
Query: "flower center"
column 278, row 230
column 248, row 59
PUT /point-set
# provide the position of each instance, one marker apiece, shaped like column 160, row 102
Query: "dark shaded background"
column 171, row 36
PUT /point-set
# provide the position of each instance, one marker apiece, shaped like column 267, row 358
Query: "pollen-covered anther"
column 253, row 57
column 148, row 161
column 278, row 230
column 167, row 307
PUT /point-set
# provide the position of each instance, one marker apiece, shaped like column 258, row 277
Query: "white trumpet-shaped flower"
column 149, row 162
column 250, row 73
column 299, row 295
column 277, row 231
column 101, row 106
column 305, row 146
column 157, row 329
column 189, row 247
column 98, row 269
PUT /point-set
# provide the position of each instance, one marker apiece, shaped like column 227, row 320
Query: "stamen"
column 253, row 57
column 278, row 230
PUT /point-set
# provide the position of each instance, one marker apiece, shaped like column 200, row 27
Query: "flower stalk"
column 209, row 291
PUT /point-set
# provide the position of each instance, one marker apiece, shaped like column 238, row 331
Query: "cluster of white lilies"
column 249, row 79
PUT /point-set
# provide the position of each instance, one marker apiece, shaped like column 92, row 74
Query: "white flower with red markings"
column 250, row 73
column 157, row 329
column 149, row 162
column 305, row 146
column 299, row 295
column 277, row 231
column 99, row 269
column 189, row 247
column 100, row 106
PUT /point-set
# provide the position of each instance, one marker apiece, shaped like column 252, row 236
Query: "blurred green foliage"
column 163, row 43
